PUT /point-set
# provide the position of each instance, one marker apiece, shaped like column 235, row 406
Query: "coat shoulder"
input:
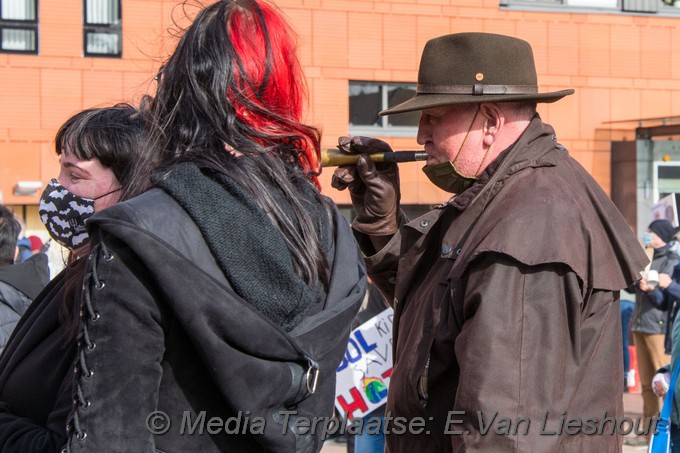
column 559, row 214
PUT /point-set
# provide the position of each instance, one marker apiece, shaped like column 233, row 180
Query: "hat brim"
column 426, row 101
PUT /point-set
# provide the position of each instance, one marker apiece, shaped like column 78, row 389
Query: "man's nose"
column 423, row 132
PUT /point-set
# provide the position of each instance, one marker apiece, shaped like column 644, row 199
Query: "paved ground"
column 333, row 447
column 632, row 405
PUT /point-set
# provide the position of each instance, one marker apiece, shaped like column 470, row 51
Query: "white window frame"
column 656, row 183
column 106, row 26
column 564, row 5
column 662, row 7
column 11, row 20
column 385, row 129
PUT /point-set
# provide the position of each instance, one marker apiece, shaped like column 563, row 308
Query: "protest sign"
column 364, row 373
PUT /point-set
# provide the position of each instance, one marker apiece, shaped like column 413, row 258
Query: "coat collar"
column 529, row 150
column 611, row 259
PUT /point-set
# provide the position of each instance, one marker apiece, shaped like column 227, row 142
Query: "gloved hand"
column 660, row 384
column 373, row 187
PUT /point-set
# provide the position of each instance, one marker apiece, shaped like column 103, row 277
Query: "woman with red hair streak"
column 220, row 294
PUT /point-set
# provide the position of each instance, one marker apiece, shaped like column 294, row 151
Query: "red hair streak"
column 271, row 83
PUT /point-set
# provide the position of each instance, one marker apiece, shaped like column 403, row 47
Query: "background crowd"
column 208, row 272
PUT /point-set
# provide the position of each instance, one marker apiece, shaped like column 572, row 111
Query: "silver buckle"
column 312, row 375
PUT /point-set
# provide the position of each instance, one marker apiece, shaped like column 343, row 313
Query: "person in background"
column 21, row 282
column 23, row 244
column 666, row 296
column 25, row 252
column 10, row 228
column 37, row 245
column 661, row 382
column 627, row 307
column 365, row 442
column 649, row 321
column 29, row 246
column 506, row 296
column 97, row 149
column 226, row 286
column 670, row 301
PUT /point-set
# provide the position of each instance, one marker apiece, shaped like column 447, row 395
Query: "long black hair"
column 230, row 100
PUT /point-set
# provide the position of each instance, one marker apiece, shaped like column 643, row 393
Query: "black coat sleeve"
column 19, row 434
column 120, row 368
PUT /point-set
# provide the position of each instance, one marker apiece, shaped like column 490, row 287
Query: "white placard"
column 364, row 374
column 666, row 209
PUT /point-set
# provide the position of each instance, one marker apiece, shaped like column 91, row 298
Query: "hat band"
column 477, row 89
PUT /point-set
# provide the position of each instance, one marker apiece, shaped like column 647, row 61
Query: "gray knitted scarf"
column 246, row 245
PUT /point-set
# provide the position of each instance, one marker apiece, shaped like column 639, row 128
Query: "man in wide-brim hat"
column 506, row 326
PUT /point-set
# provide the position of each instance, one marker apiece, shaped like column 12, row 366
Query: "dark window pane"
column 365, row 101
column 18, row 39
column 396, row 94
column 669, row 172
column 645, row 6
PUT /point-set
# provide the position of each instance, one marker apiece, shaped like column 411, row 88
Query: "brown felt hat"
column 471, row 68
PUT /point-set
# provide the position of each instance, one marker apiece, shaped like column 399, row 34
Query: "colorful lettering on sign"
column 356, row 348
column 357, row 404
column 363, row 376
column 375, row 389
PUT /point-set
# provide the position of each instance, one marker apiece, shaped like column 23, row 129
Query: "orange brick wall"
column 622, row 67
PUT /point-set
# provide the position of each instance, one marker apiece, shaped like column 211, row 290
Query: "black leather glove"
column 373, row 187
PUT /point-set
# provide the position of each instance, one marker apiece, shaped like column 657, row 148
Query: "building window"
column 625, row 6
column 102, row 28
column 366, row 99
column 19, row 26
column 615, row 4
column 670, row 4
column 563, row 3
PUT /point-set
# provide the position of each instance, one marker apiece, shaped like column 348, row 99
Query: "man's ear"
column 493, row 122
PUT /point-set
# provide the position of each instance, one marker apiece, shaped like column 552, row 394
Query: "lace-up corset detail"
column 86, row 345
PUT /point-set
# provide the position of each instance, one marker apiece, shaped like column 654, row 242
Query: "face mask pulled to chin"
column 447, row 177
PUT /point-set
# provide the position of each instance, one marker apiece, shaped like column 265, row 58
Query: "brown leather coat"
column 507, row 326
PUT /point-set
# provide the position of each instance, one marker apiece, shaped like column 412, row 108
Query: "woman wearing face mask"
column 227, row 291
column 97, row 149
